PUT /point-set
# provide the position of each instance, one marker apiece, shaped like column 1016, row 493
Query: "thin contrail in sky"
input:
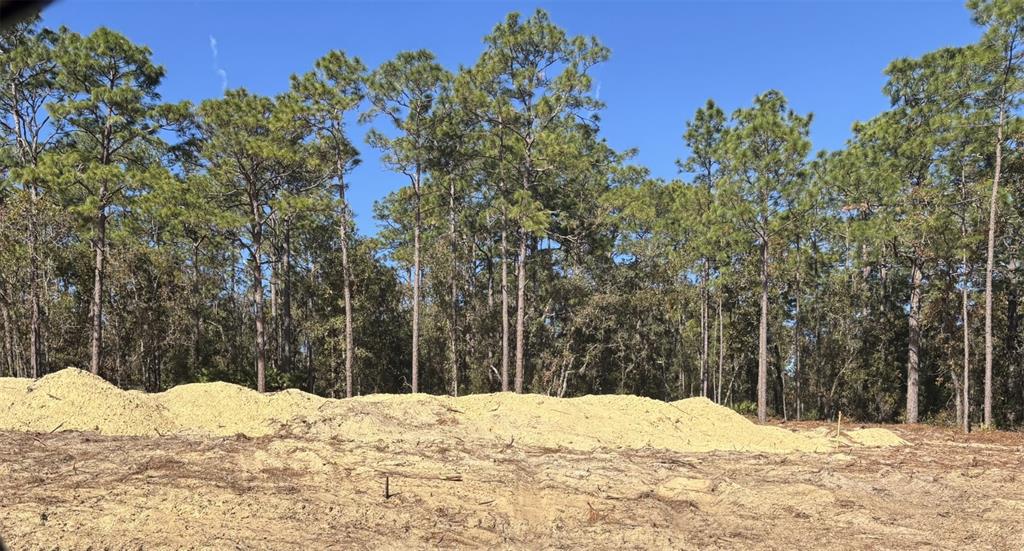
column 216, row 64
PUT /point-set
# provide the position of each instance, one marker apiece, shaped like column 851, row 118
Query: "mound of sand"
column 226, row 409
column 75, row 400
column 585, row 423
column 72, row 399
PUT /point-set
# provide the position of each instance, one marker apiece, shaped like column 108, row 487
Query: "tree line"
column 161, row 243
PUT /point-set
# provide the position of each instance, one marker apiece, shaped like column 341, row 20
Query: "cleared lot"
column 456, row 479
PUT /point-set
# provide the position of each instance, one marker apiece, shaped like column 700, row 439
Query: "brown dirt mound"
column 75, row 400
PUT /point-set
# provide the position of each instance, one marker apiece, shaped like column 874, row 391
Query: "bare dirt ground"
column 76, row 490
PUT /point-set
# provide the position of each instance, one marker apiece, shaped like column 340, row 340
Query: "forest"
column 159, row 243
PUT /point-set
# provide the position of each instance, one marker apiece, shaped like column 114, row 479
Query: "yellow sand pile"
column 75, row 400
column 589, row 422
column 224, row 408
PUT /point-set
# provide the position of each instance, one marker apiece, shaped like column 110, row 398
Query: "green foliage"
column 747, row 408
column 220, row 218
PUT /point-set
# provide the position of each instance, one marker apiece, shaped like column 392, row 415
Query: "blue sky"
column 667, row 59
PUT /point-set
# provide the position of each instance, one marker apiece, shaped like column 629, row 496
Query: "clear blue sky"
column 667, row 59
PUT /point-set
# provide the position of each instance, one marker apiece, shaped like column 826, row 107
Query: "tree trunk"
column 9, row 342
column 492, row 369
column 502, row 182
column 782, row 382
column 1012, row 316
column 680, row 344
column 274, row 321
column 521, row 273
column 310, row 373
column 721, row 349
column 704, row 330
column 796, row 352
column 416, row 287
column 99, row 246
column 957, row 392
column 453, row 286
column 197, row 320
column 990, row 267
column 967, row 354
column 28, row 155
column 310, row 365
column 913, row 342
column 762, row 340
column 286, row 300
column 504, row 311
column 732, row 382
column 255, row 265
column 965, row 397
column 35, row 329
column 346, row 284
column 257, row 301
column 521, row 311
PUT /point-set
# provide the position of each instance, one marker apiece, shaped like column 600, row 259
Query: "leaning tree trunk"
column 762, row 339
column 100, row 244
column 913, row 342
column 989, row 268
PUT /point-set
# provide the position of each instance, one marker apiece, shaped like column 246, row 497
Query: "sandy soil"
column 444, row 479
column 77, row 490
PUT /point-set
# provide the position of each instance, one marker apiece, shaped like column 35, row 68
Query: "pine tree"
column 404, row 90
column 109, row 106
